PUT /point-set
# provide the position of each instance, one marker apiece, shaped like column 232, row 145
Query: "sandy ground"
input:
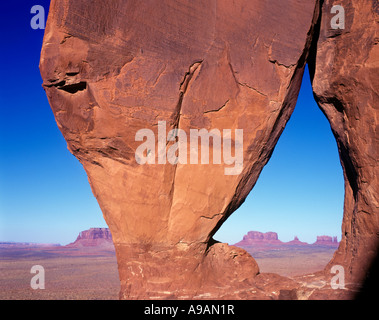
column 69, row 274
column 293, row 261
column 90, row 274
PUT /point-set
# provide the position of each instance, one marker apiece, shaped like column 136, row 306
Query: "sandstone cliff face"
column 346, row 86
column 112, row 68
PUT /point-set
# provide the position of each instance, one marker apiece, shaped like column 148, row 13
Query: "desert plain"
column 90, row 273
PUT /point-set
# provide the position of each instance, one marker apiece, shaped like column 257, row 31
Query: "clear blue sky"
column 300, row 191
column 45, row 195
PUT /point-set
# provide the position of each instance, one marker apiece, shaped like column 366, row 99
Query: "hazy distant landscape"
column 291, row 258
column 293, row 261
column 70, row 273
column 87, row 268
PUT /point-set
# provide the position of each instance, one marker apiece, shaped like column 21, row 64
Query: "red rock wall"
column 346, row 87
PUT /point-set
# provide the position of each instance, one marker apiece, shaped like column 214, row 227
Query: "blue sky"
column 44, row 191
column 300, row 191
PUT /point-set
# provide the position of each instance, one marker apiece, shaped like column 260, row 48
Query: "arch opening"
column 299, row 197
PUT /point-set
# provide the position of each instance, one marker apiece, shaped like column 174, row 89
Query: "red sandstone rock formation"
column 346, row 86
column 111, row 68
column 94, row 237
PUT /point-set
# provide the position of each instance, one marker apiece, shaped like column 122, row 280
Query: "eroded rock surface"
column 346, row 86
column 111, row 68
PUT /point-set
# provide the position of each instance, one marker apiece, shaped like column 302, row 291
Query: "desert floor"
column 89, row 274
column 292, row 261
column 69, row 274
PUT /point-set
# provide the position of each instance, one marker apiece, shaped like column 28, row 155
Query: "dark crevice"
column 209, row 244
column 331, row 100
column 60, row 84
column 368, row 291
column 74, row 88
column 70, row 88
column 182, row 90
column 71, row 74
column 218, row 109
column 188, row 76
column 176, row 114
column 350, row 171
column 313, row 49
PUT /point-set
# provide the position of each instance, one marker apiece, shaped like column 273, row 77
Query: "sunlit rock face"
column 113, row 68
column 345, row 82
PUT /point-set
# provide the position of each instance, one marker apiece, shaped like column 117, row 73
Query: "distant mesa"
column 94, row 237
column 256, row 237
column 326, row 241
column 268, row 236
column 271, row 239
column 97, row 238
column 296, row 241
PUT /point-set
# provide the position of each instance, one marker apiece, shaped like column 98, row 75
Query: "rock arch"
column 250, row 57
